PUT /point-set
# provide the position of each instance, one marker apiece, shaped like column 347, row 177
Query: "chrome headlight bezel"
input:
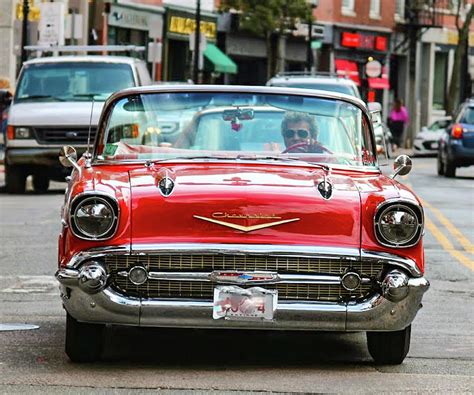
column 409, row 207
column 106, row 200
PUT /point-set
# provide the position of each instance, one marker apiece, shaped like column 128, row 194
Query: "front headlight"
column 398, row 225
column 94, row 217
column 23, row 133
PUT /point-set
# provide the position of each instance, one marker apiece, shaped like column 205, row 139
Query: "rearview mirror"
column 402, row 165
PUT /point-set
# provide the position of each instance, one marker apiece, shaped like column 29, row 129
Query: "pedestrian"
column 397, row 122
column 5, row 99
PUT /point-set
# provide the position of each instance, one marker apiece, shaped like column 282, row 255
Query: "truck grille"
column 208, row 263
column 64, row 135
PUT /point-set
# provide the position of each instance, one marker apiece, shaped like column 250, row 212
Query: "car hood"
column 430, row 134
column 54, row 113
column 243, row 204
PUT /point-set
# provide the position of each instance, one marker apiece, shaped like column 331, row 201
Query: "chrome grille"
column 63, row 135
column 208, row 263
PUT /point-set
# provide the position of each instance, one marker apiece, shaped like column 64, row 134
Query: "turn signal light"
column 10, row 132
column 457, row 131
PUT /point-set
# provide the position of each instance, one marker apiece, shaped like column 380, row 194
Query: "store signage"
column 363, row 41
column 129, row 18
column 182, row 25
column 373, row 68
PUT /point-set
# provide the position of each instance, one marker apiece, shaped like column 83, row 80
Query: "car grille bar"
column 287, row 267
column 64, row 135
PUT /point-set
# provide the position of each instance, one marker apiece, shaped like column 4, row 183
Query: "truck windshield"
column 72, row 81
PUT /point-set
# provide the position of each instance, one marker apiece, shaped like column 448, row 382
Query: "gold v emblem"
column 246, row 228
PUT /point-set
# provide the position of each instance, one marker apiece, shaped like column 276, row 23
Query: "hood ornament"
column 166, row 185
column 246, row 228
column 325, row 188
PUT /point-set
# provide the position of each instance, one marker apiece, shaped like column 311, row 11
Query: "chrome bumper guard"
column 87, row 298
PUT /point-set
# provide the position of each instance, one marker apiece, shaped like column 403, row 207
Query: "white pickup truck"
column 52, row 108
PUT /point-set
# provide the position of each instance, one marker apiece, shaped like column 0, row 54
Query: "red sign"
column 350, row 40
column 364, row 41
column 381, row 43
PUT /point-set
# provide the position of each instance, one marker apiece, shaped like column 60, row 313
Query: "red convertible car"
column 267, row 210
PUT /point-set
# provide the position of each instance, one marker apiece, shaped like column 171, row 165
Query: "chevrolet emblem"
column 246, row 228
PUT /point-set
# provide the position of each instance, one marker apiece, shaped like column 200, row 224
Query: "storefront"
column 134, row 24
column 362, row 55
column 180, row 25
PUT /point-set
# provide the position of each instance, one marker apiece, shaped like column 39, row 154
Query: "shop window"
column 440, row 74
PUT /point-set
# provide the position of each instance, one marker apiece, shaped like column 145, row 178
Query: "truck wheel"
column 440, row 165
column 449, row 169
column 15, row 179
column 40, row 183
column 389, row 348
column 83, row 341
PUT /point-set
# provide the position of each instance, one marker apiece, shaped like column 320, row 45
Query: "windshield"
column 468, row 116
column 339, row 88
column 236, row 126
column 72, row 81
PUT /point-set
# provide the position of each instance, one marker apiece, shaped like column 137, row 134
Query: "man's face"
column 296, row 132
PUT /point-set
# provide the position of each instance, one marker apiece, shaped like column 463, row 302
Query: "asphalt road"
column 441, row 358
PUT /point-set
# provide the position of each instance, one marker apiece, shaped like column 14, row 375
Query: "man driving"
column 300, row 132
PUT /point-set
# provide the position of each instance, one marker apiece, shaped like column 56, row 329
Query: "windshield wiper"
column 32, row 97
column 279, row 158
column 151, row 161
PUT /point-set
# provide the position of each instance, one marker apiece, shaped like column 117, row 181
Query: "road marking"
column 447, row 245
column 467, row 245
column 46, row 285
column 442, row 239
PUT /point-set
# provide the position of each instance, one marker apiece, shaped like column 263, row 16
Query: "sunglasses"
column 290, row 133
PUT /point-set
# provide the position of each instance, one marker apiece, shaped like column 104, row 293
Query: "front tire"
column 389, row 348
column 15, row 179
column 449, row 169
column 440, row 165
column 40, row 183
column 84, row 341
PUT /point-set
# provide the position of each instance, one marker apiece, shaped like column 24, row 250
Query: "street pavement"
column 441, row 358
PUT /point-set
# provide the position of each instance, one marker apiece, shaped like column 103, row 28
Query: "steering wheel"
column 304, row 146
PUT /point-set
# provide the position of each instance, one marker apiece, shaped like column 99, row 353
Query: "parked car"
column 383, row 136
column 236, row 225
column 52, row 106
column 321, row 81
column 426, row 141
column 456, row 144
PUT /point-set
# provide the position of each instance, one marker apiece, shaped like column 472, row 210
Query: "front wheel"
column 40, row 183
column 15, row 179
column 389, row 348
column 449, row 169
column 83, row 341
column 440, row 165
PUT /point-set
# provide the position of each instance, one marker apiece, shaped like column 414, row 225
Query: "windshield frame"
column 211, row 89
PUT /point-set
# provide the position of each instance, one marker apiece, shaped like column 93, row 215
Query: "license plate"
column 236, row 303
column 434, row 145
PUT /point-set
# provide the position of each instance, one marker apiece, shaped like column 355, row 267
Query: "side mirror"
column 5, row 97
column 402, row 165
column 68, row 157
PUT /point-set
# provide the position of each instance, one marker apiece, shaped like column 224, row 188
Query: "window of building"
column 374, row 12
column 347, row 7
column 440, row 76
column 400, row 10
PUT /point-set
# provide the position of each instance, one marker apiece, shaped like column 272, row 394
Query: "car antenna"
column 88, row 154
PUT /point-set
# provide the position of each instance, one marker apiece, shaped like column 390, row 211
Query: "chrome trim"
column 351, row 273
column 393, row 260
column 346, row 254
column 278, row 278
column 374, row 314
column 90, row 194
column 399, row 201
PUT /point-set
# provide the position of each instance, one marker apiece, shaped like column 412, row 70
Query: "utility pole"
column 24, row 31
column 197, row 42
column 309, row 50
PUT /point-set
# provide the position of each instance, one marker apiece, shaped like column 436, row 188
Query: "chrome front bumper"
column 403, row 291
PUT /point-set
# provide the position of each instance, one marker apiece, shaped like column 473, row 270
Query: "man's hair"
column 295, row 117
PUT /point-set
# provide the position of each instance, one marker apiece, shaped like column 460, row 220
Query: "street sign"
column 51, row 25
column 155, row 27
column 316, row 44
column 155, row 50
column 373, row 68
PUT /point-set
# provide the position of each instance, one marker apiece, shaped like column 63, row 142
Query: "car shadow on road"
column 231, row 348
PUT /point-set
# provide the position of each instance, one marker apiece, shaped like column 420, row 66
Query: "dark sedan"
column 456, row 145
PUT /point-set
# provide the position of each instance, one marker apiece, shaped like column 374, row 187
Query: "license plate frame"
column 237, row 303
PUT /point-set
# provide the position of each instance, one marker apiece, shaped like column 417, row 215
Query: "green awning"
column 222, row 63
